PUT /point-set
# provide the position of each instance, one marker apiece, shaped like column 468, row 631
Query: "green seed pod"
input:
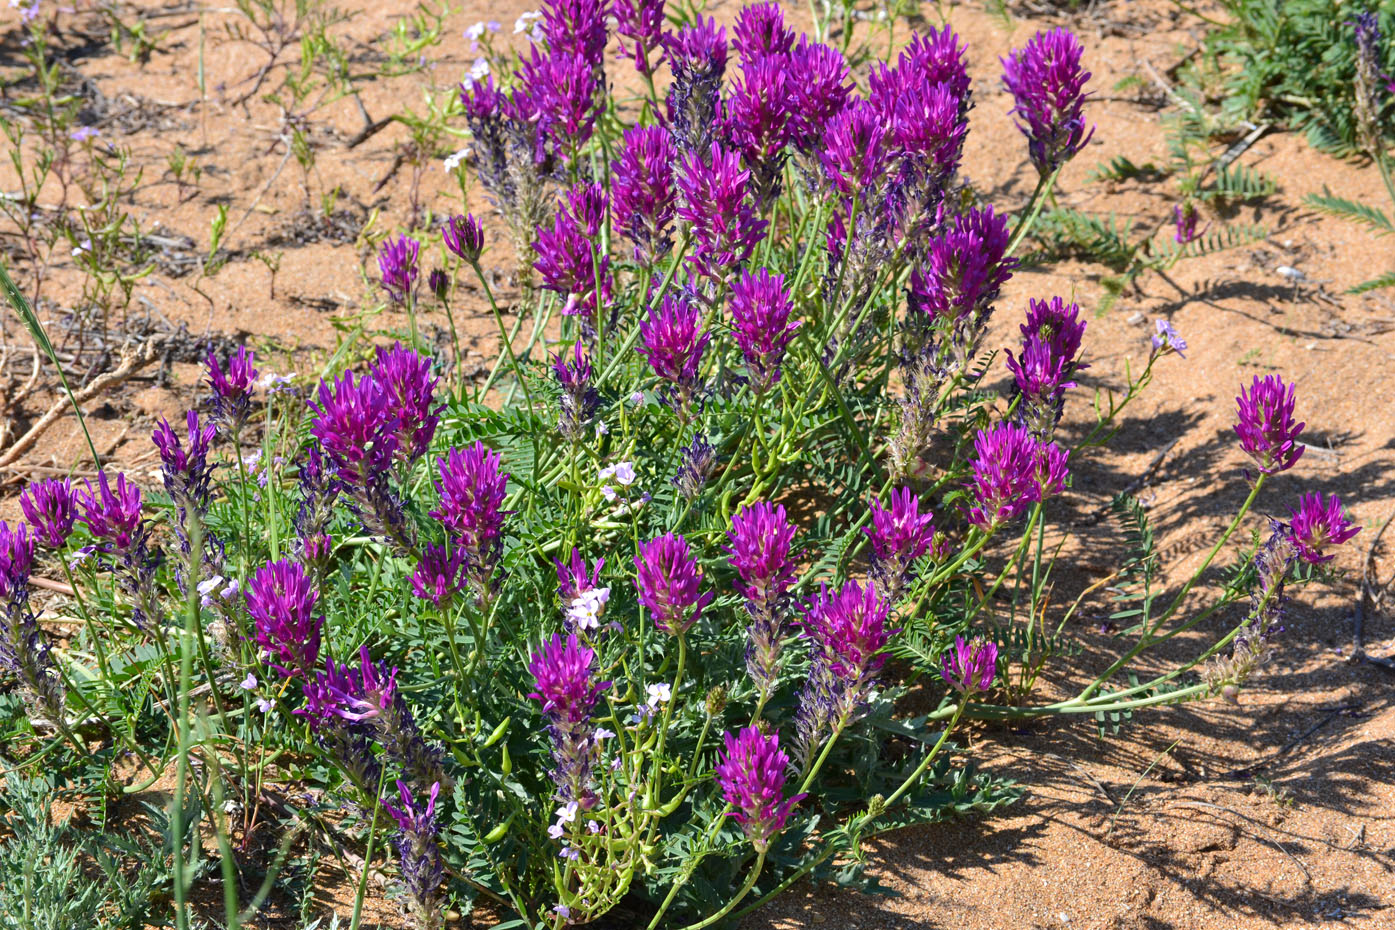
column 499, row 832
column 716, row 701
column 498, row 733
column 506, row 766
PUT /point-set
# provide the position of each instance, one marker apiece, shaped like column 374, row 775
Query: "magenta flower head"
column 232, row 387
column 854, row 153
column 569, row 257
column 573, row 577
column 1048, row 88
column 1318, row 525
column 760, row 32
column 397, row 260
column 1186, row 216
column 1058, row 325
column 964, row 268
column 927, row 60
column 760, row 320
column 669, row 583
column 673, row 344
column 928, row 127
column 641, row 190
column 759, row 550
column 356, row 425
column 899, row 535
column 112, row 514
column 559, row 95
column 751, row 773
column 50, row 507
column 16, row 562
column 849, row 625
column 281, row 600
column 472, row 492
column 714, row 201
column 406, row 377
column 1005, row 474
column 338, row 694
column 969, row 667
column 697, row 56
column 464, row 237
column 642, row 21
column 821, row 92
column 759, row 118
column 1265, row 424
column 1051, row 471
column 576, row 27
column 437, row 576
column 563, row 670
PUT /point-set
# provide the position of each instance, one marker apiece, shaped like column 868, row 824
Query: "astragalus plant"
column 645, row 638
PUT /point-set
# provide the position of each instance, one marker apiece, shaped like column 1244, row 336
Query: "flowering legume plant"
column 642, row 638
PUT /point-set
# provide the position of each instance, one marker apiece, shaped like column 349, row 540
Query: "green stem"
column 740, row 895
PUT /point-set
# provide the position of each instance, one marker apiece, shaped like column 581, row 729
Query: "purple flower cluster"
column 643, row 22
column 760, row 538
column 464, row 237
column 1167, row 339
column 847, row 631
column 24, row 653
column 1185, row 217
column 50, row 507
column 281, row 600
column 566, row 688
column 697, row 57
column 419, row 855
column 699, row 461
column 1265, row 424
column 899, row 535
column 669, row 583
column 397, row 261
column 186, row 472
column 969, row 667
column 964, row 268
column 406, row 378
column 1012, row 469
column 715, row 202
column 579, row 399
column 673, row 344
column 1048, row 90
column 582, row 594
column 1317, row 525
column 232, row 388
column 123, row 543
column 1050, row 347
column 569, row 260
column 318, row 490
column 1370, row 83
column 760, row 319
column 438, row 575
column 751, row 773
column 471, row 492
column 641, row 191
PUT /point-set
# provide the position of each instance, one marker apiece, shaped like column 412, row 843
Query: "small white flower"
column 659, row 694
column 567, row 812
column 453, row 161
column 555, row 831
column 586, row 608
column 83, row 246
column 233, row 587
column 608, row 493
column 264, row 705
column 602, row 429
column 526, row 22
column 475, row 32
column 603, row 733
column 249, row 683
column 593, row 827
column 478, row 71
column 625, row 474
column 207, row 586
column 272, row 380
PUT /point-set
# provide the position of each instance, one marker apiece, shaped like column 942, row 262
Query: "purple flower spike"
column 579, row 398
column 760, row 312
column 558, row 93
column 759, row 119
column 697, row 56
column 567, row 691
column 397, row 260
column 724, row 225
column 854, row 154
column 406, row 376
column 338, row 694
column 576, row 27
column 760, row 32
column 356, row 425
column 850, row 627
column 568, row 258
column 1057, row 324
column 464, row 236
column 112, row 515
column 1317, row 526
column 1051, row 471
column 674, row 345
column 964, row 267
column 751, row 774
column 184, row 465
column 969, row 667
column 936, row 58
column 1005, row 474
column 641, row 190
column 419, row 855
column 437, row 576
column 573, row 577
column 760, row 538
column 281, row 599
column 50, row 506
column 899, row 535
column 232, row 387
column 472, row 497
column 669, row 583
column 820, row 94
column 16, row 562
column 24, row 653
column 1048, row 87
column 1266, row 428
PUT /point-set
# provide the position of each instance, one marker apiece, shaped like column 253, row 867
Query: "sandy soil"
column 1273, row 812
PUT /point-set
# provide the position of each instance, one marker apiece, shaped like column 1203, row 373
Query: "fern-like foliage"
column 1371, row 217
column 1375, row 284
